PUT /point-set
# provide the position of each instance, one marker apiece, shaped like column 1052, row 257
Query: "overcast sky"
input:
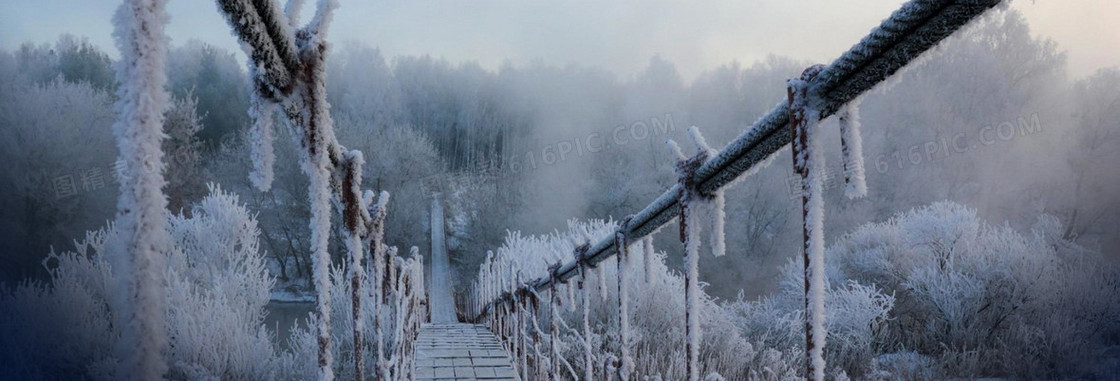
column 621, row 35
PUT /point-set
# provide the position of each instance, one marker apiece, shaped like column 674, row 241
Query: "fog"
column 993, row 120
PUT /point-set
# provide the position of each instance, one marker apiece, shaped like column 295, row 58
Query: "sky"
column 620, row 35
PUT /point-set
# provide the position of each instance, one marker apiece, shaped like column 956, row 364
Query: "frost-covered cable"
column 852, row 150
column 141, row 205
column 245, row 20
column 804, row 102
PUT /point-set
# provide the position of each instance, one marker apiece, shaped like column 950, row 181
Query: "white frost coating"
column 261, row 152
column 719, row 246
column 647, row 257
column 852, row 150
column 142, row 206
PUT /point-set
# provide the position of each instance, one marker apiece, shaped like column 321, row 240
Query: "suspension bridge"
column 486, row 337
column 905, row 36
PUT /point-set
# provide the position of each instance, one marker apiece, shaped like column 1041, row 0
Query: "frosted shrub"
column 299, row 363
column 216, row 290
column 935, row 293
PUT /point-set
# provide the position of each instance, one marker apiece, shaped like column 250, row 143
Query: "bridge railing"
column 905, row 36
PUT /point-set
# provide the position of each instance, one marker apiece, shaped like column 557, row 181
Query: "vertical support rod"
column 802, row 119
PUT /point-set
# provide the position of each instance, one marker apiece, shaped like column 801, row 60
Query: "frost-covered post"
column 377, row 250
column 689, row 200
column 626, row 363
column 142, row 206
column 585, row 304
column 352, row 218
column 554, row 324
column 808, row 163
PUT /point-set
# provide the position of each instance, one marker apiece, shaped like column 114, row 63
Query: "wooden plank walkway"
column 458, row 351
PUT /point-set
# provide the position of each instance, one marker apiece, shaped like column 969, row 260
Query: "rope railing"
column 909, row 32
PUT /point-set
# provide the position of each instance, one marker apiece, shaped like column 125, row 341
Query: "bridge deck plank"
column 458, row 351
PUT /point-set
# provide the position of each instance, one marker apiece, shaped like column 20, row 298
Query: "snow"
column 442, row 305
column 852, row 150
column 142, row 206
column 261, row 152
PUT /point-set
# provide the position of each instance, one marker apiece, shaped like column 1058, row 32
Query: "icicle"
column 852, row 146
column 647, row 257
column 571, row 297
column 626, row 362
column 809, row 164
column 719, row 247
column 141, row 205
column 261, row 152
column 602, row 282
